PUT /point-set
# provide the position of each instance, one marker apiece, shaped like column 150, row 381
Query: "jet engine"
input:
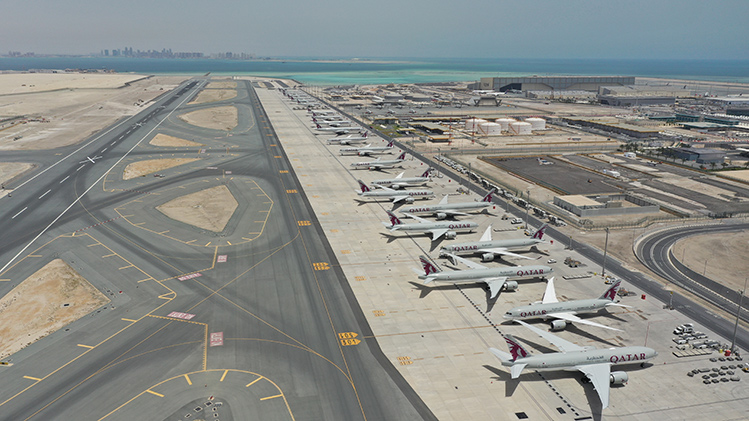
column 395, row 186
column 362, row 153
column 450, row 235
column 409, row 200
column 557, row 325
column 510, row 286
column 441, row 215
column 619, row 377
column 487, row 257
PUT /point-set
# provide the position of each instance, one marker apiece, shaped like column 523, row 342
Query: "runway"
column 257, row 317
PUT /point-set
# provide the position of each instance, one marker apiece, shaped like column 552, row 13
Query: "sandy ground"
column 171, row 141
column 218, row 118
column 223, row 84
column 209, row 209
column 141, row 168
column 8, row 170
column 742, row 175
column 212, row 95
column 63, row 109
column 723, row 258
column 36, row 307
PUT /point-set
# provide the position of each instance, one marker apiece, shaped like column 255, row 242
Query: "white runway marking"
column 14, row 216
column 45, row 193
column 66, row 177
column 79, row 168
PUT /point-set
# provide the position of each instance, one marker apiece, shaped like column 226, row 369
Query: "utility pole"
column 527, row 205
column 738, row 314
column 605, row 251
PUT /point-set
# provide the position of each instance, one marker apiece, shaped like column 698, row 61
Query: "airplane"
column 495, row 278
column 368, row 150
column 593, row 362
column 348, row 140
column 92, row 160
column 399, row 181
column 337, row 130
column 436, row 230
column 489, row 249
column 443, row 209
column 551, row 308
column 323, row 112
column 332, row 123
column 379, row 164
column 392, row 195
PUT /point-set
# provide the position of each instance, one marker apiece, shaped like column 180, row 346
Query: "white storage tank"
column 490, row 129
column 520, row 127
column 472, row 124
column 505, row 123
column 536, row 123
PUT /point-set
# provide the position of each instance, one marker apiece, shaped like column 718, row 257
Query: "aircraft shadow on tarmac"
column 571, row 327
column 426, row 289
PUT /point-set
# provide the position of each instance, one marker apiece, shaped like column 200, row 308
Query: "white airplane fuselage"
column 533, row 271
column 475, row 246
column 396, row 183
column 547, row 310
column 413, row 194
column 378, row 164
column 570, row 360
column 436, row 209
column 367, row 151
column 426, row 227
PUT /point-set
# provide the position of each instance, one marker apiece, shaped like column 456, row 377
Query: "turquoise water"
column 384, row 71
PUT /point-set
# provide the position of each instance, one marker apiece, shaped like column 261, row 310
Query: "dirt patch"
column 212, row 95
column 37, row 306
column 8, row 170
column 141, row 168
column 209, row 209
column 723, row 258
column 227, row 84
column 171, row 141
column 218, row 118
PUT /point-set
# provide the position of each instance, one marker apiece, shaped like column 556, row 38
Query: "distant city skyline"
column 441, row 29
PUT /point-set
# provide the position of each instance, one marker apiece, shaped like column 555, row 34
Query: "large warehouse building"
column 556, row 83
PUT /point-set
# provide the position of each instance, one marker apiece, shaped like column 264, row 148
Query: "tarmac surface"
column 257, row 317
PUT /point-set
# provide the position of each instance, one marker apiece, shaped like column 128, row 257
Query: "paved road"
column 268, row 286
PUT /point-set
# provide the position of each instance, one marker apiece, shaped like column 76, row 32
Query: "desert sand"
column 209, row 209
column 171, row 141
column 8, row 170
column 51, row 298
column 213, row 95
column 141, row 168
column 218, row 118
column 723, row 258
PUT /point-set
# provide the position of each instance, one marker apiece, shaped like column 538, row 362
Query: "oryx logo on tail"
column 426, row 173
column 364, row 188
column 401, row 156
column 610, row 293
column 394, row 220
column 428, row 266
column 488, row 197
column 516, row 350
column 539, row 234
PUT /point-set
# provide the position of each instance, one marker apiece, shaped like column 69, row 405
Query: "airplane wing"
column 495, row 285
column 563, row 345
column 487, row 236
column 454, row 212
column 385, row 188
column 503, row 251
column 550, row 296
column 516, row 369
column 437, row 233
column 444, row 200
column 397, row 199
column 574, row 319
column 400, row 175
column 598, row 374
column 420, row 219
column 470, row 264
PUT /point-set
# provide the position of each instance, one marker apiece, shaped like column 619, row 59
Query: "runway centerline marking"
column 66, row 177
column 20, row 212
column 45, row 193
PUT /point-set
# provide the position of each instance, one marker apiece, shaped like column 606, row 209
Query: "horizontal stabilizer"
column 516, row 369
column 503, row 356
column 618, row 305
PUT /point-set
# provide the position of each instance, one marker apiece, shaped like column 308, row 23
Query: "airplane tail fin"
column 402, row 156
column 539, row 234
column 429, row 268
column 365, row 134
column 390, row 144
column 394, row 220
column 516, row 350
column 610, row 293
column 364, row 188
column 488, row 197
column 318, row 125
column 426, row 173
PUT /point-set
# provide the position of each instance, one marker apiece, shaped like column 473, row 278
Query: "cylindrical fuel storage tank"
column 536, row 123
column 505, row 123
column 472, row 124
column 520, row 127
column 490, row 129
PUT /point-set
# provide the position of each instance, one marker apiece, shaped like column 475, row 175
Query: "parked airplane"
column 331, row 123
column 444, row 209
column 551, row 308
column 489, row 249
column 337, row 130
column 594, row 363
column 379, row 164
column 399, row 181
column 368, row 150
column 436, row 230
column 323, row 112
column 348, row 140
column 495, row 278
column 393, row 195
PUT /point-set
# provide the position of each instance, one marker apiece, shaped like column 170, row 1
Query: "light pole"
column 738, row 314
column 605, row 251
column 527, row 205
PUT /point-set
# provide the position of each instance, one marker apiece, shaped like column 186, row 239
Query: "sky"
column 665, row 29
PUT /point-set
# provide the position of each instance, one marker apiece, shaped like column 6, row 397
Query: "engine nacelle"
column 362, row 153
column 450, row 235
column 619, row 377
column 510, row 286
column 409, row 200
column 487, row 257
column 441, row 215
column 395, row 186
column 557, row 325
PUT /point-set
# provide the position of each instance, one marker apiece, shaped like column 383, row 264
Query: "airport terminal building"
column 555, row 83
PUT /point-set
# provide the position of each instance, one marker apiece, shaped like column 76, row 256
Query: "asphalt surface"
column 268, row 285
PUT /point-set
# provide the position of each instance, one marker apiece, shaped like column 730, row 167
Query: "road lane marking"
column 14, row 216
column 45, row 193
column 130, row 320
column 222, row 377
column 66, row 177
column 103, row 150
column 154, row 393
column 271, row 397
column 254, row 381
